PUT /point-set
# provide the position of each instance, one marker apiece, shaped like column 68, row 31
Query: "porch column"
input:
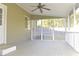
column 68, row 23
column 74, row 16
column 65, row 25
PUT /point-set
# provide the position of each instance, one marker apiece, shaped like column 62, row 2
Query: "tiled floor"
column 43, row 48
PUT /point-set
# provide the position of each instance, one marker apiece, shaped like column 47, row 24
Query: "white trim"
column 74, row 16
column 8, row 50
column 65, row 28
column 42, row 34
column 53, row 34
column 31, row 29
column 31, row 35
column 4, row 17
column 5, row 24
column 65, row 24
column 68, row 23
column 74, row 11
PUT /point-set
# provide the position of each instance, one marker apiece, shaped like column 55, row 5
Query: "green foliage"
column 56, row 22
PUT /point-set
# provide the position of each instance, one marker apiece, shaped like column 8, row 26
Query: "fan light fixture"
column 40, row 7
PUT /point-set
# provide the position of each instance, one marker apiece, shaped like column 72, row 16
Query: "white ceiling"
column 57, row 9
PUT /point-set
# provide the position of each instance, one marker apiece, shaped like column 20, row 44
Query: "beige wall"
column 15, row 23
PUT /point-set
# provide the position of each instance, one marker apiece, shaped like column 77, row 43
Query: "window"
column 72, row 20
column 77, row 16
column 27, row 23
column 56, row 23
column 28, row 26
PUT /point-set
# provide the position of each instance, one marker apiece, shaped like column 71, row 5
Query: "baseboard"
column 8, row 50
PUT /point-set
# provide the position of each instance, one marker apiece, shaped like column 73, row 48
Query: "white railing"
column 47, row 34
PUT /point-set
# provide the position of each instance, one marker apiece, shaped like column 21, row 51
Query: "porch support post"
column 68, row 23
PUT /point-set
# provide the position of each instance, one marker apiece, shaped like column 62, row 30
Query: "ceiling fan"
column 40, row 7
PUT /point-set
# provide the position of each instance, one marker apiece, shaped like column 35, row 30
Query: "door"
column 2, row 24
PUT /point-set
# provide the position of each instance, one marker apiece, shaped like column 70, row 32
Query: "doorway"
column 3, row 23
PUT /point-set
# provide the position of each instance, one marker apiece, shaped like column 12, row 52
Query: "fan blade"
column 41, row 10
column 39, row 4
column 34, row 9
column 46, row 8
